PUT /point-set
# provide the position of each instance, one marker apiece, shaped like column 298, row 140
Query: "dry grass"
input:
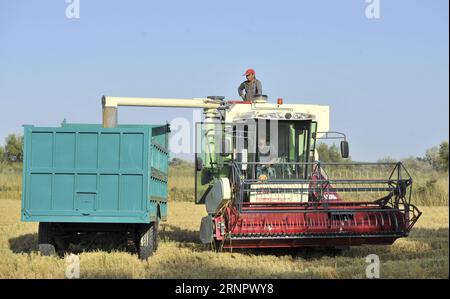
column 181, row 182
column 425, row 254
column 10, row 181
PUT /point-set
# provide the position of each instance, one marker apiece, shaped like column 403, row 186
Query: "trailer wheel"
column 146, row 244
column 46, row 240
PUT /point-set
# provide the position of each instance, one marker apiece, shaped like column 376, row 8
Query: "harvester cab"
column 259, row 175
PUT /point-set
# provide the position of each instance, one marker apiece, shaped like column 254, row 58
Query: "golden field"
column 425, row 254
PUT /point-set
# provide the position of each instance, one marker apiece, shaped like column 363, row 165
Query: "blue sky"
column 385, row 79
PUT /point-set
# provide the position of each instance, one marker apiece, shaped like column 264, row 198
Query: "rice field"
column 425, row 254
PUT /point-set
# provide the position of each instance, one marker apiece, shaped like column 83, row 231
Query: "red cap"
column 249, row 71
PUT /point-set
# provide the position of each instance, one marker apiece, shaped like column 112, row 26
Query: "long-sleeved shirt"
column 251, row 89
column 268, row 153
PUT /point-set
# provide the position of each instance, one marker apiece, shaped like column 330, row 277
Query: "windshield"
column 278, row 147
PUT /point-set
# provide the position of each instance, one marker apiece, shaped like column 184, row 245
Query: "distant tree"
column 443, row 155
column 329, row 153
column 177, row 162
column 13, row 148
column 417, row 164
column 322, row 149
column 432, row 157
column 387, row 160
column 2, row 154
column 437, row 156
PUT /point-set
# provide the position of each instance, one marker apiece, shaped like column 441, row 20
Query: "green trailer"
column 88, row 185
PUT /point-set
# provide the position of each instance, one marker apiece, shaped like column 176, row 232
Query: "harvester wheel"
column 217, row 245
column 45, row 239
column 146, row 244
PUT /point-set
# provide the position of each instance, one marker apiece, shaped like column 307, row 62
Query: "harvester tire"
column 45, row 239
column 146, row 244
column 217, row 245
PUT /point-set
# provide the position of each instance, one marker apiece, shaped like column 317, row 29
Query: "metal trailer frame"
column 81, row 178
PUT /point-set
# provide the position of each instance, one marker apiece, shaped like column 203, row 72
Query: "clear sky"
column 385, row 79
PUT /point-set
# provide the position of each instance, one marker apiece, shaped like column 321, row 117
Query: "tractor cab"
column 271, row 154
column 274, row 149
column 265, row 143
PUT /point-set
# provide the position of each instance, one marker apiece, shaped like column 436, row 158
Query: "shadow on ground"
column 24, row 244
column 190, row 239
column 169, row 232
column 435, row 238
column 29, row 243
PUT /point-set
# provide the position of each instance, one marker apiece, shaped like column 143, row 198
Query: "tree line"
column 435, row 157
column 12, row 151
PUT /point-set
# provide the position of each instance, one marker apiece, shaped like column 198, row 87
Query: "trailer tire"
column 45, row 239
column 146, row 244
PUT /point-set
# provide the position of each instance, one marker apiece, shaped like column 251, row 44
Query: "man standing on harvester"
column 252, row 86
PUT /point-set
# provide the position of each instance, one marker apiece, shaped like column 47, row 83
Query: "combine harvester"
column 259, row 175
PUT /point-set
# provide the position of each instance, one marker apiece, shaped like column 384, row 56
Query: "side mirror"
column 226, row 147
column 344, row 149
column 198, row 164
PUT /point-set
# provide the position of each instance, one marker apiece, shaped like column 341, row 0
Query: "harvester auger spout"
column 284, row 196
